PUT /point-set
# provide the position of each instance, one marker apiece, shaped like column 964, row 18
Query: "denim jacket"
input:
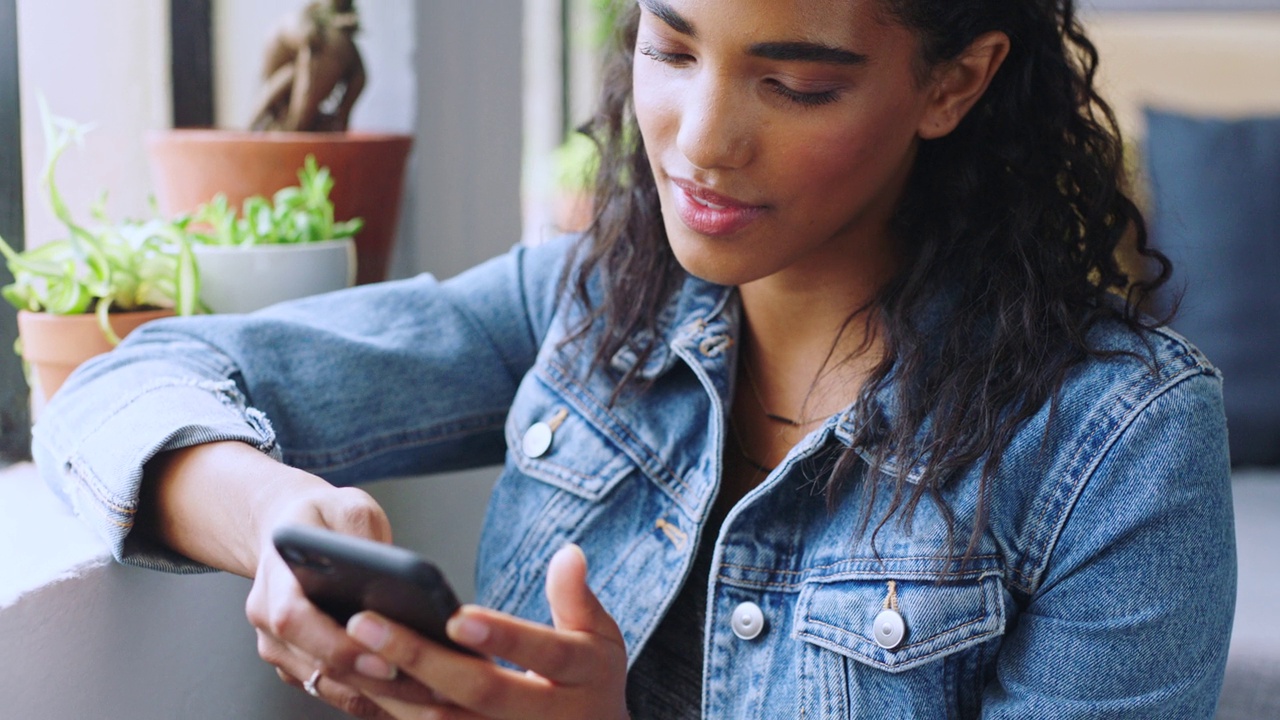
column 1103, row 585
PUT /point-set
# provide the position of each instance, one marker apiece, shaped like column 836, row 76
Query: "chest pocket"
column 927, row 618
column 551, row 441
column 898, row 642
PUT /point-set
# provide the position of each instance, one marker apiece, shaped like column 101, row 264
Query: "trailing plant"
column 105, row 266
column 299, row 214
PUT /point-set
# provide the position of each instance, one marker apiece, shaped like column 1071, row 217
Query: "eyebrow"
column 668, row 15
column 806, row 52
column 794, row 51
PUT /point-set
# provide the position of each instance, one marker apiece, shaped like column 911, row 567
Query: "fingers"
column 464, row 680
column 573, row 605
column 293, row 634
column 580, row 663
column 567, row 658
column 294, row 668
column 402, row 710
column 277, row 607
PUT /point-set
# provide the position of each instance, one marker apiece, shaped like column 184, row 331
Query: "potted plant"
column 287, row 247
column 576, row 163
column 77, row 296
column 313, row 75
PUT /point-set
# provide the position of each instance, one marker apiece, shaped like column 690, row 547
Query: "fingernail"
column 468, row 631
column 375, row 667
column 370, row 633
column 568, row 551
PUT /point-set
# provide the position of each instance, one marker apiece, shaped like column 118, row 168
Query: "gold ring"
column 310, row 684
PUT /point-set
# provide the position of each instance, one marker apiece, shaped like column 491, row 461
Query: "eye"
column 666, row 58
column 808, row 99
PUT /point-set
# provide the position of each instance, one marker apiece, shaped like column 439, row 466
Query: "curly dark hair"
column 1018, row 218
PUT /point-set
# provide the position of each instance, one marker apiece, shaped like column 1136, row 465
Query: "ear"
column 959, row 84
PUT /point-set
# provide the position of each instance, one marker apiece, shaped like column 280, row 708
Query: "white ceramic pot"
column 244, row 279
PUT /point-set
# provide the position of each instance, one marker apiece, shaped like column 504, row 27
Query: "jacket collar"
column 702, row 312
column 699, row 309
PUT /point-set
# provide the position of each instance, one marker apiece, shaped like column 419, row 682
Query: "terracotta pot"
column 54, row 345
column 190, row 167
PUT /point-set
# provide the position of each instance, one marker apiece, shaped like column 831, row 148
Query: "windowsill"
column 41, row 542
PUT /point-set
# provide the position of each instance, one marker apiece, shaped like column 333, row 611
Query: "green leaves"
column 299, row 214
column 131, row 265
column 100, row 267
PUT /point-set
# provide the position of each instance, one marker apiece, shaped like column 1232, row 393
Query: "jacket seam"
column 1029, row 581
column 902, row 648
column 618, row 434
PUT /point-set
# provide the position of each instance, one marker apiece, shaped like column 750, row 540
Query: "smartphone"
column 343, row 574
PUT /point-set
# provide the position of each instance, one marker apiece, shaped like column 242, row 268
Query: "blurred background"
column 490, row 91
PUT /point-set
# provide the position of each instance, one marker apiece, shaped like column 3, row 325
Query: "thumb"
column 573, row 605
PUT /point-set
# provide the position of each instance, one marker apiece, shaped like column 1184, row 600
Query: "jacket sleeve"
column 1133, row 616
column 397, row 378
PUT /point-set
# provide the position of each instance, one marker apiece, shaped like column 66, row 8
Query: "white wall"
column 99, row 63
column 244, row 28
column 1221, row 64
column 464, row 205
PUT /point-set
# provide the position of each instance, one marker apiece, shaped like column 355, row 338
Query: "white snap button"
column 889, row 629
column 747, row 621
column 537, row 440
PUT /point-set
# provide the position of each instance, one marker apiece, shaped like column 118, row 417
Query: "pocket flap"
column 574, row 456
column 941, row 616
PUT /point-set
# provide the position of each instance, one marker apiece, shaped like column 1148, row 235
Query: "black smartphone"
column 343, row 574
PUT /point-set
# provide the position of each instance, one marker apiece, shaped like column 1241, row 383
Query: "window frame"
column 15, row 421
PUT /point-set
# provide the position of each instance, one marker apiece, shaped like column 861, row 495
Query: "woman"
column 844, row 394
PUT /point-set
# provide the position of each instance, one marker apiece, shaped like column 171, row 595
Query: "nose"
column 715, row 129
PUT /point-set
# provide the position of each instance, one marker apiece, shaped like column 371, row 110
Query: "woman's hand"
column 576, row 670
column 293, row 635
column 219, row 503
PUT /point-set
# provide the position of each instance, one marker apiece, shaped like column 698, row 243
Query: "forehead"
column 831, row 21
column 777, row 16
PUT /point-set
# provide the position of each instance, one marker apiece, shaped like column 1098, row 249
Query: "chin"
column 710, row 260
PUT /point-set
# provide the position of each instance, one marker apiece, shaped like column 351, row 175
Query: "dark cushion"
column 1215, row 189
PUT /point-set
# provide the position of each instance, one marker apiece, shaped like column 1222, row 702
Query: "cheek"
column 651, row 99
column 850, row 156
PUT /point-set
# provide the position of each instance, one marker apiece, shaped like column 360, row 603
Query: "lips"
column 710, row 213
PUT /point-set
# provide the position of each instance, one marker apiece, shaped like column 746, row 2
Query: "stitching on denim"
column 106, row 507
column 541, row 531
column 618, row 433
column 513, row 440
column 622, row 558
column 903, row 648
column 86, row 479
column 918, row 660
column 853, row 560
column 791, row 585
column 1118, row 427
column 586, row 482
column 552, row 473
column 166, row 384
column 647, row 628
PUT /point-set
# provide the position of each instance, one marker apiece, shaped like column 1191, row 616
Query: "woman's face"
column 780, row 132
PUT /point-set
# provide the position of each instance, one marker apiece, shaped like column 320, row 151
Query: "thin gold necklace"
column 742, row 449
column 775, row 417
